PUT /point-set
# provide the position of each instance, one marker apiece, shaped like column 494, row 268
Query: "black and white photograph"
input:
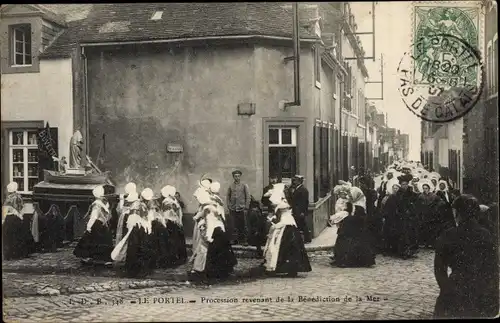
column 249, row 161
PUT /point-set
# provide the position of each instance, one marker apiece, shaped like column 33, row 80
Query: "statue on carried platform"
column 76, row 150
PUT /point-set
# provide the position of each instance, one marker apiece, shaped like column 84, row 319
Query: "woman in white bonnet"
column 137, row 248
column 18, row 240
column 284, row 252
column 353, row 246
column 96, row 243
column 124, row 211
column 176, row 253
column 159, row 234
column 213, row 257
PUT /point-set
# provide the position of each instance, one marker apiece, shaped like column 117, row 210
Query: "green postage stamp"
column 441, row 74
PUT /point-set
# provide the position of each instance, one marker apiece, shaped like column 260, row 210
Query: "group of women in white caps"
column 24, row 234
column 149, row 231
column 213, row 257
column 408, row 211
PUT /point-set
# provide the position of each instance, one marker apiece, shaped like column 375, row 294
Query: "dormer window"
column 21, row 45
column 157, row 15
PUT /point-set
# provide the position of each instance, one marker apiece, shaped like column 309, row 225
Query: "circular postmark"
column 441, row 78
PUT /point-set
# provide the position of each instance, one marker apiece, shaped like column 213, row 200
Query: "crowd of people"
column 411, row 209
column 414, row 208
column 148, row 232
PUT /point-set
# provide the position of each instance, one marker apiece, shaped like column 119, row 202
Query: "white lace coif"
column 130, row 187
column 98, row 192
column 147, row 194
column 215, row 187
column 12, row 187
column 168, row 190
column 132, row 197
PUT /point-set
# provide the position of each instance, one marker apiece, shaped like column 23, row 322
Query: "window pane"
column 17, row 155
column 17, row 137
column 32, row 155
column 32, row 182
column 18, row 170
column 19, row 34
column 32, row 138
column 274, row 162
column 286, row 136
column 19, row 59
column 288, row 161
column 19, row 47
column 273, row 136
column 27, row 49
column 27, row 34
column 33, row 170
column 20, row 183
column 27, row 59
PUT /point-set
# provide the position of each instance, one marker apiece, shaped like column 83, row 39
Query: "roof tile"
column 132, row 22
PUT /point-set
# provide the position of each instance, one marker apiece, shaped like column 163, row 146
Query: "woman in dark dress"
column 136, row 248
column 427, row 207
column 175, row 242
column 353, row 246
column 213, row 256
column 159, row 234
column 469, row 249
column 257, row 226
column 284, row 252
column 18, row 240
column 96, row 243
column 51, row 229
column 401, row 221
column 123, row 211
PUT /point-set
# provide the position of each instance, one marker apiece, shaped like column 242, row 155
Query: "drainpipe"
column 86, row 103
column 296, row 58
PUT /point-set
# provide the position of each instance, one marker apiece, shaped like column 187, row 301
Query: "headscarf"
column 445, row 186
column 423, row 182
column 357, row 197
column 391, row 183
column 341, row 188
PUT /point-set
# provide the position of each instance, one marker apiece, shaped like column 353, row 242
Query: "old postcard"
column 249, row 161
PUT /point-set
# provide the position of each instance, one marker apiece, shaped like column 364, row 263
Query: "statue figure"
column 76, row 150
column 63, row 165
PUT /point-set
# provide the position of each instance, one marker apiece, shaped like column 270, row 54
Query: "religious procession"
column 148, row 233
column 412, row 209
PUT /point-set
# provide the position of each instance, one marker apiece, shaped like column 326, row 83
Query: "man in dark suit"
column 382, row 190
column 300, row 204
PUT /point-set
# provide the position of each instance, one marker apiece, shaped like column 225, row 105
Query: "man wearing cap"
column 238, row 202
column 300, row 205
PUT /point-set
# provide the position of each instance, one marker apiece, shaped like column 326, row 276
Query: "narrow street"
column 326, row 293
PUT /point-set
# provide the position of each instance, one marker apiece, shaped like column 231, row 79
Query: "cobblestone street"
column 393, row 289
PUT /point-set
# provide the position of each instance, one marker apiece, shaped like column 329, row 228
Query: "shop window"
column 23, row 155
column 283, row 153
